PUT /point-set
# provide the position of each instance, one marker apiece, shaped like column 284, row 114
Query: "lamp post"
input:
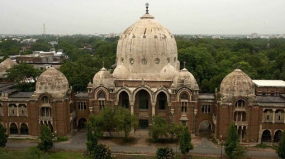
column 222, row 143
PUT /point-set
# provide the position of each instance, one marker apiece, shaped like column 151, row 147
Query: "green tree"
column 158, row 128
column 3, row 136
column 125, row 121
column 232, row 147
column 25, row 75
column 164, row 153
column 281, row 146
column 102, row 152
column 107, row 120
column 46, row 139
column 185, row 144
column 93, row 132
column 174, row 129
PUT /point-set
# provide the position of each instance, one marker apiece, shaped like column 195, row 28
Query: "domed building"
column 147, row 79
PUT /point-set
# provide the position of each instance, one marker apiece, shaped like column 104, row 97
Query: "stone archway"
column 24, row 129
column 81, row 123
column 277, row 136
column 205, row 128
column 266, row 136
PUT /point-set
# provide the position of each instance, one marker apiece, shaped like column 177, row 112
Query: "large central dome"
column 145, row 48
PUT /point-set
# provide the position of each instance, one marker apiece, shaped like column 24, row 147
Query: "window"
column 206, row 108
column 184, row 107
column 81, row 106
column 101, row 104
column 101, row 95
column 240, row 103
column 162, row 101
column 1, row 110
column 143, row 100
column 45, row 99
column 184, row 96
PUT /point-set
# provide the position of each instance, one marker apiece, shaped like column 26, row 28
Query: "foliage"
column 164, row 153
column 102, row 152
column 25, row 75
column 174, row 129
column 281, row 146
column 125, row 121
column 3, row 136
column 158, row 128
column 61, row 138
column 232, row 147
column 46, row 139
column 107, row 120
column 94, row 131
column 185, row 144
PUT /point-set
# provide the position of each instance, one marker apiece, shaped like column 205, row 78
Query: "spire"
column 146, row 5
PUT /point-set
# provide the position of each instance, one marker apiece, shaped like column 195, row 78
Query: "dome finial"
column 102, row 64
column 184, row 63
column 146, row 5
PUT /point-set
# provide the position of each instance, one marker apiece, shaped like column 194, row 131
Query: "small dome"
column 102, row 74
column 168, row 72
column 186, row 78
column 7, row 64
column 237, row 83
column 121, row 72
column 103, row 77
column 52, row 81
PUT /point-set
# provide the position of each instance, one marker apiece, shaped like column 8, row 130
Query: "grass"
column 121, row 140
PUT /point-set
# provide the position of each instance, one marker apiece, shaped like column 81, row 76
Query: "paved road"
column 77, row 142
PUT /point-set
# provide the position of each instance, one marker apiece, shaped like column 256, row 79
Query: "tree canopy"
column 3, row 136
column 281, row 146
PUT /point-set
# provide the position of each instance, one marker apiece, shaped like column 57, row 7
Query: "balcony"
column 241, row 123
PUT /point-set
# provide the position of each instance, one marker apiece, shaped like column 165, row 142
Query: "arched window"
column 143, row 99
column 13, row 129
column 162, row 100
column 101, row 95
column 240, row 103
column 24, row 129
column 184, row 96
column 45, row 99
column 1, row 110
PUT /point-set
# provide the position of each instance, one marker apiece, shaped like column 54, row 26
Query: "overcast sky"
column 114, row 16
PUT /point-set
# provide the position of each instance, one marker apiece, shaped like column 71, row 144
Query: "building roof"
column 270, row 99
column 81, row 95
column 269, row 83
column 21, row 95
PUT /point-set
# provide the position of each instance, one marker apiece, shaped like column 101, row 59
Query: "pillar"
column 153, row 110
column 273, row 113
column 17, row 105
column 132, row 109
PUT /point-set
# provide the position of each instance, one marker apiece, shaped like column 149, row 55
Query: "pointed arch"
column 142, row 88
column 117, row 96
column 24, row 130
column 98, row 90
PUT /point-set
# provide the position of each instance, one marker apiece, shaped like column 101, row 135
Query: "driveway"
column 201, row 146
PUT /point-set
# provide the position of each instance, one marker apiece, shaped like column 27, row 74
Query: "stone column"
column 153, row 110
column 241, row 113
column 132, row 109
column 17, row 105
column 273, row 113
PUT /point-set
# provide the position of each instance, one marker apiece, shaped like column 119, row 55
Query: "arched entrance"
column 13, row 129
column 124, row 99
column 143, row 108
column 277, row 136
column 161, row 101
column 24, row 129
column 82, row 123
column 205, row 128
column 266, row 136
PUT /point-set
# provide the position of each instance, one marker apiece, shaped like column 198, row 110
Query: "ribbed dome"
column 168, row 72
column 188, row 79
column 146, row 47
column 237, row 83
column 52, row 81
column 7, row 64
column 103, row 77
column 121, row 72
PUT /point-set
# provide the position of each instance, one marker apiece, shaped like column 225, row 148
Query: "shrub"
column 102, row 152
column 164, row 153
